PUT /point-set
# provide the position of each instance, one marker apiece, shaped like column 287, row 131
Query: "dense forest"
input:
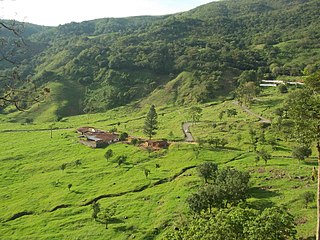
column 113, row 62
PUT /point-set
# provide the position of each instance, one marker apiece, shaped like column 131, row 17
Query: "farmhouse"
column 96, row 138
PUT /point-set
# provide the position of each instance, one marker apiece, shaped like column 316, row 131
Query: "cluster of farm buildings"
column 96, row 138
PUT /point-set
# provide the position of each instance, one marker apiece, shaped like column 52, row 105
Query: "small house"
column 96, row 138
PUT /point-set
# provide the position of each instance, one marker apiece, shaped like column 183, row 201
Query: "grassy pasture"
column 33, row 183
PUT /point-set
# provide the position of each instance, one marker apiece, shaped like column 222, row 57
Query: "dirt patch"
column 302, row 220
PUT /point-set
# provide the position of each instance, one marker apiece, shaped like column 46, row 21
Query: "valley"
column 35, row 199
column 230, row 90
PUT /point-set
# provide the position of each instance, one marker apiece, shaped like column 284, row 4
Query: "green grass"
column 31, row 179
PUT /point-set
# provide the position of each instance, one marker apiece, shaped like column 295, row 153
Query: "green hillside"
column 36, row 202
column 201, row 70
column 119, row 61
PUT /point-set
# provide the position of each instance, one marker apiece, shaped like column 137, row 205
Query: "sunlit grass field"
column 35, row 202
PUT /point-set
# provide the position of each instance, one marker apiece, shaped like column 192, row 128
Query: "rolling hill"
column 118, row 61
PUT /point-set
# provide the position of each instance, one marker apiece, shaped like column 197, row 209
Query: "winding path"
column 186, row 131
column 246, row 109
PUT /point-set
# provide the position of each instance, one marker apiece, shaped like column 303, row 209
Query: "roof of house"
column 101, row 136
column 89, row 129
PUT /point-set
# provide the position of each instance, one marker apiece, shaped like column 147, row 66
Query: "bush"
column 282, row 88
column 308, row 197
column 123, row 136
column 238, row 223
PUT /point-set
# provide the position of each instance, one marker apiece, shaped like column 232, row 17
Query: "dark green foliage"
column 121, row 159
column 134, row 141
column 246, row 92
column 118, row 61
column 217, row 142
column 301, row 152
column 195, row 113
column 238, row 223
column 303, row 109
column 146, row 172
column 69, row 186
column 95, row 210
column 308, row 197
column 106, row 215
column 63, row 166
column 78, row 162
column 227, row 187
column 231, row 112
column 151, row 122
column 108, row 154
column 265, row 155
column 207, row 171
column 123, row 136
column 233, row 184
column 283, row 88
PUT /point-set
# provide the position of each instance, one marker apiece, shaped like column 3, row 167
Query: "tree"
column 220, row 116
column 301, row 152
column 238, row 223
column 308, row 197
column 134, row 141
column 96, row 209
column 282, row 88
column 78, row 162
column 233, row 184
column 15, row 89
column 63, row 166
column 231, row 112
column 272, row 223
column 195, row 113
column 121, row 159
column 108, row 154
column 69, row 186
column 196, row 151
column 208, row 197
column 151, row 123
column 246, row 92
column 123, row 136
column 303, row 109
column 227, row 188
column 107, row 214
column 146, row 172
column 264, row 155
column 207, row 170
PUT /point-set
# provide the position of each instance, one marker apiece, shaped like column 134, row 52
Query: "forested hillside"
column 113, row 62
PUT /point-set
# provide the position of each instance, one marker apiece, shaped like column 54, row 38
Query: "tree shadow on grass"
column 279, row 164
column 262, row 193
column 116, row 220
column 261, row 204
column 122, row 229
column 77, row 192
column 310, row 163
column 111, row 221
column 262, row 196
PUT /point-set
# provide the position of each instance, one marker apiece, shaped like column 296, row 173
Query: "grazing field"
column 48, row 184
